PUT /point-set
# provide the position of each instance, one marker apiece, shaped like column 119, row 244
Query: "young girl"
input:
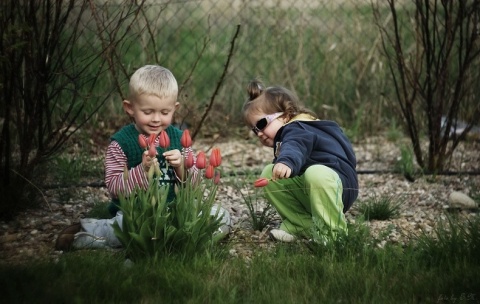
column 313, row 176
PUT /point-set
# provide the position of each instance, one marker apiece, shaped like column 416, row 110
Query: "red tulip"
column 261, row 182
column 189, row 160
column 201, row 160
column 164, row 141
column 152, row 150
column 142, row 141
column 186, row 140
column 210, row 172
column 216, row 180
column 151, row 139
column 215, row 157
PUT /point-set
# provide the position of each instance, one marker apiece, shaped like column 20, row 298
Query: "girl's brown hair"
column 271, row 100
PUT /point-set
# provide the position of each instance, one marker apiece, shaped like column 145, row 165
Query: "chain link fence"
column 327, row 51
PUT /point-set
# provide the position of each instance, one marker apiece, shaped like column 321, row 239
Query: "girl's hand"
column 281, row 171
column 148, row 161
column 173, row 157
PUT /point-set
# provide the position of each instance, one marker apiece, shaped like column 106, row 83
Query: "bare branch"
column 219, row 83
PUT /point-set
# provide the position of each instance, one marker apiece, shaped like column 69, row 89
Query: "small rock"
column 461, row 200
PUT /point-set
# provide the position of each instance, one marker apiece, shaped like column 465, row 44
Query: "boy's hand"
column 174, row 158
column 148, row 161
column 281, row 171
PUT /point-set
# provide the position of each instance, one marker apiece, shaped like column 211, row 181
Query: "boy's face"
column 151, row 113
column 267, row 133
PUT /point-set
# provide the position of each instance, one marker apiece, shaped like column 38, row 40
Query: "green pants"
column 315, row 196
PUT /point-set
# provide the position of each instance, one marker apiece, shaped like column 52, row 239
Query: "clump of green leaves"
column 382, row 208
column 357, row 242
column 452, row 238
column 394, row 133
column 260, row 216
column 261, row 212
column 70, row 169
column 99, row 211
column 405, row 164
column 152, row 228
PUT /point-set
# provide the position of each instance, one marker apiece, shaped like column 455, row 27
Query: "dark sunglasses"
column 264, row 122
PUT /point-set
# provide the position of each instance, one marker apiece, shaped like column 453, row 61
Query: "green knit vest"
column 127, row 138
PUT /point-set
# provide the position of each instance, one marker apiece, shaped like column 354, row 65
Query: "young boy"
column 151, row 105
column 313, row 179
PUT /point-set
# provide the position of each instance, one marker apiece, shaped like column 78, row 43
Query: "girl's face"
column 266, row 126
column 151, row 113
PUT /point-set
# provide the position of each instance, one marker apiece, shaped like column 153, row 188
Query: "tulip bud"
column 189, row 160
column 261, row 182
column 215, row 157
column 186, row 140
column 151, row 139
column 142, row 141
column 210, row 172
column 201, row 160
column 152, row 151
column 164, row 140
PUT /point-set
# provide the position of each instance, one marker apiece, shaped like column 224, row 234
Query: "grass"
column 406, row 163
column 260, row 211
column 382, row 208
column 348, row 271
column 99, row 211
column 70, row 169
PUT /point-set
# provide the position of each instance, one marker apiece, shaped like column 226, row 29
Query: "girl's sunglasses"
column 263, row 122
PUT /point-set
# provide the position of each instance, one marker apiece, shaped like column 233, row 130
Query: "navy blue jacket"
column 302, row 143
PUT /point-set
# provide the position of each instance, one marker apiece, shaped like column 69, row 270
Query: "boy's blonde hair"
column 153, row 80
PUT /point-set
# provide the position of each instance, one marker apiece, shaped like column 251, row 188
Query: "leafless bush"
column 60, row 61
column 433, row 56
column 49, row 69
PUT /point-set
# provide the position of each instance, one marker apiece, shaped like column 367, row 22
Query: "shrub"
column 433, row 59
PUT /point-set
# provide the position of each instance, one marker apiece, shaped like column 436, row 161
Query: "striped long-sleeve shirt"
column 115, row 162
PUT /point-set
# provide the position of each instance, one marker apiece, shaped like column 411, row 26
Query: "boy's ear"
column 127, row 107
column 177, row 105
